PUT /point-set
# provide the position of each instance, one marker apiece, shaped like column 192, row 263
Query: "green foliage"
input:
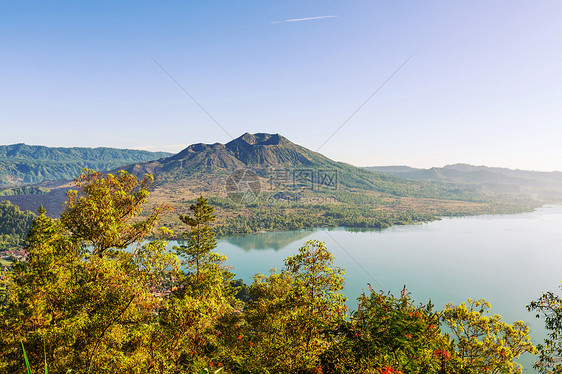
column 486, row 343
column 342, row 208
column 242, row 291
column 318, row 282
column 391, row 335
column 101, row 215
column 397, row 333
column 87, row 313
column 549, row 306
column 23, row 190
column 27, row 366
column 295, row 216
column 289, row 318
column 14, row 225
column 201, row 305
column 201, row 237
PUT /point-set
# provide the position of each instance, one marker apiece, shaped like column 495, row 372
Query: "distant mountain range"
column 498, row 179
column 262, row 153
column 314, row 191
column 22, row 163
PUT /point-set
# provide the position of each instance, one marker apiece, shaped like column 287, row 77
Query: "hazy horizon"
column 377, row 165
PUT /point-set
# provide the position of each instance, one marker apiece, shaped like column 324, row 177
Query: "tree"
column 80, row 299
column 318, row 289
column 289, row 318
column 14, row 225
column 486, row 344
column 200, row 237
column 388, row 334
column 101, row 215
column 549, row 306
column 195, row 316
column 319, row 282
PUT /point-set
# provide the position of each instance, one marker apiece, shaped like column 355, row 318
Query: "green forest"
column 14, row 225
column 95, row 297
column 22, row 163
column 352, row 210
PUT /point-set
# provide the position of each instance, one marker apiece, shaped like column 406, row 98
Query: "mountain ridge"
column 500, row 178
column 21, row 163
column 262, row 153
column 259, row 150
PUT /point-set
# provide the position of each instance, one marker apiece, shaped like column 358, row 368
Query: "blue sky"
column 483, row 85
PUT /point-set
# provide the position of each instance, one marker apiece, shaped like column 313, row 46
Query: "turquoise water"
column 507, row 259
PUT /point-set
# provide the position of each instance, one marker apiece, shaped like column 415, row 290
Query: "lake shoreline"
column 363, row 228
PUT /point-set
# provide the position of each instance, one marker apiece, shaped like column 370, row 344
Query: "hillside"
column 256, row 151
column 22, row 163
column 547, row 184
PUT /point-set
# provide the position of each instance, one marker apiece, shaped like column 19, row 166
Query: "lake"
column 507, row 259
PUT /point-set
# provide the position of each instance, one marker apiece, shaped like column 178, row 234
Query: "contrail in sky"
column 302, row 19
